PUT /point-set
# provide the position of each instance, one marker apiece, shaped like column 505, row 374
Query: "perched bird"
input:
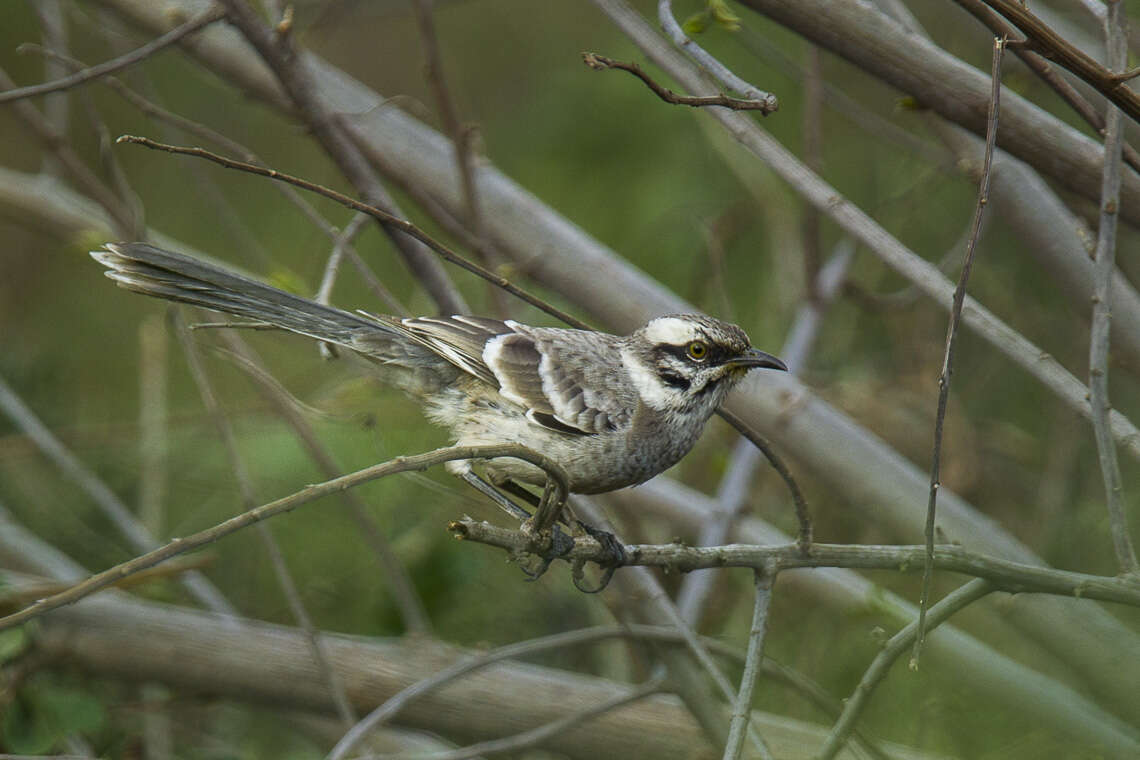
column 612, row 410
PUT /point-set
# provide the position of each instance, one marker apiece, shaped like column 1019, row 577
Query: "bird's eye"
column 697, row 350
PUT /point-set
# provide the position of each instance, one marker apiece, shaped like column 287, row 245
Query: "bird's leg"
column 560, row 542
column 492, row 493
column 615, row 557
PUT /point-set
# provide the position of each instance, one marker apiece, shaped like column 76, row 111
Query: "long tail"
column 164, row 274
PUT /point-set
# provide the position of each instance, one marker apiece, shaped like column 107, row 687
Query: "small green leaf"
column 696, row 24
column 723, row 15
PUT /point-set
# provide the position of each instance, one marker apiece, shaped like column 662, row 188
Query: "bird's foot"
column 613, row 557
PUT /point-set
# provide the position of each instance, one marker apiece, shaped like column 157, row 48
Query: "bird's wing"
column 530, row 367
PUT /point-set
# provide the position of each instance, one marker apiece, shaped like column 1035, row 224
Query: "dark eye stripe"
column 673, row 379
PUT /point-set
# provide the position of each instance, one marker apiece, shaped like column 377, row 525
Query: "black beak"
column 754, row 357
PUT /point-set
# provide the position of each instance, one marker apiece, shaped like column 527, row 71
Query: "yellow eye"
column 697, row 350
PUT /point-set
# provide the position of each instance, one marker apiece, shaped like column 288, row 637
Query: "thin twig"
column 384, row 713
column 73, row 469
column 1103, row 269
column 742, row 707
column 881, row 665
column 1005, row 575
column 249, row 501
column 803, row 515
column 332, row 267
column 382, row 216
column 179, row 546
column 709, row 63
column 340, row 247
column 116, row 64
column 951, row 334
column 601, row 62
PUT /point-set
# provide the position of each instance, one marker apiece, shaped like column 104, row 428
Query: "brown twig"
column 383, row 217
column 1043, row 69
column 601, row 63
column 1054, row 47
column 116, row 64
column 951, row 335
column 197, row 540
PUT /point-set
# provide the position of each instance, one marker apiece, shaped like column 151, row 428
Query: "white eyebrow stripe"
column 671, row 330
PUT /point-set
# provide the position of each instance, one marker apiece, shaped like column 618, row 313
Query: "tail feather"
column 155, row 272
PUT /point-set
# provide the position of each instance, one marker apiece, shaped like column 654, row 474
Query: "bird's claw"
column 560, row 545
column 613, row 557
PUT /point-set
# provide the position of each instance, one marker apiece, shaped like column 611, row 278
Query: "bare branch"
column 1043, row 69
column 296, row 79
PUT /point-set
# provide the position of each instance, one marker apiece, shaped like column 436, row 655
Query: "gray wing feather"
column 529, row 369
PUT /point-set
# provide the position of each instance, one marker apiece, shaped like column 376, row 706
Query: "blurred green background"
column 652, row 181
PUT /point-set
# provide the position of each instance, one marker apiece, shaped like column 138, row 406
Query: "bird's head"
column 688, row 362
